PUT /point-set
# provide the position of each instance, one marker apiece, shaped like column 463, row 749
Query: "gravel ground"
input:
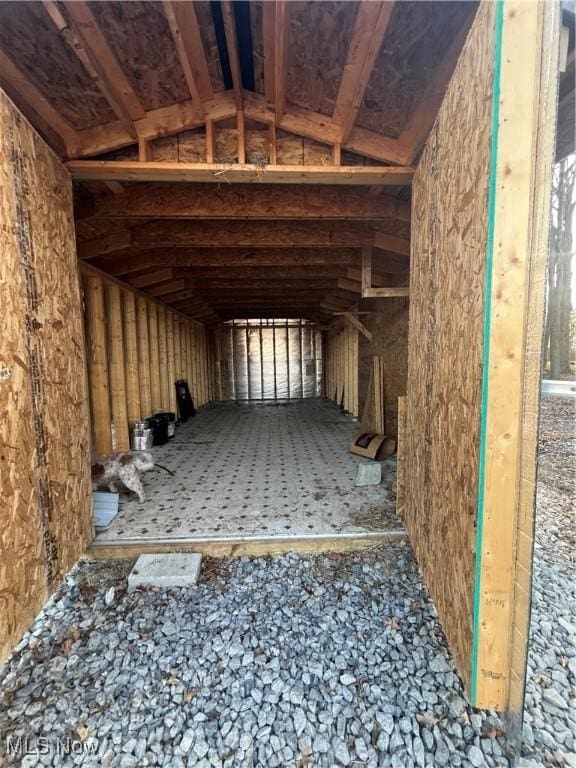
column 550, row 719
column 288, row 661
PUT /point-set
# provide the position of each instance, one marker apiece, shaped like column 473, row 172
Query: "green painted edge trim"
column 492, row 190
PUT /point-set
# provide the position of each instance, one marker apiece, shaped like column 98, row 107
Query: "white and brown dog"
column 120, row 472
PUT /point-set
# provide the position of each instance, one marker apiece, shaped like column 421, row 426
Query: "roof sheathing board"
column 208, row 34
column 140, row 38
column 30, row 39
column 319, row 36
column 417, row 38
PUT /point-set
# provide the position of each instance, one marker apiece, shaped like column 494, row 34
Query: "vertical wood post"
column 163, row 358
column 98, row 366
column 177, row 348
column 154, row 357
column 171, row 370
column 116, row 367
column 143, row 356
column 131, row 357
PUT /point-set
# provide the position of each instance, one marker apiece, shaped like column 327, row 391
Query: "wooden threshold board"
column 236, row 547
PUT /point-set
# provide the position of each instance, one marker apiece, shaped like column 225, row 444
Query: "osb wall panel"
column 449, row 215
column 45, row 520
column 388, row 323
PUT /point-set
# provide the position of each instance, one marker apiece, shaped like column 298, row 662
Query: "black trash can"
column 159, row 424
column 171, row 422
column 184, row 399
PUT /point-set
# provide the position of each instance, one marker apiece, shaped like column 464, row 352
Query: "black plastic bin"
column 171, row 422
column 159, row 424
column 184, row 398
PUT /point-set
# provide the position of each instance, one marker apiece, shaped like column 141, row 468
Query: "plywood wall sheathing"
column 470, row 260
column 45, row 516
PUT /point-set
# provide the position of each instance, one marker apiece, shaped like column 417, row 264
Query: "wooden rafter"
column 163, row 289
column 369, row 29
column 28, row 96
column 232, row 45
column 423, row 115
column 111, row 79
column 152, row 277
column 281, row 24
column 183, row 25
column 69, row 32
column 98, row 170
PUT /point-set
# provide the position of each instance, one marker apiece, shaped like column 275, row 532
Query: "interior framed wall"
column 45, row 516
column 474, row 341
column 137, row 348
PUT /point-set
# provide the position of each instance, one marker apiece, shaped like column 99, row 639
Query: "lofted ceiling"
column 147, row 100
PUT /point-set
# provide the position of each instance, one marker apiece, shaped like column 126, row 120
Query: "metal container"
column 142, row 436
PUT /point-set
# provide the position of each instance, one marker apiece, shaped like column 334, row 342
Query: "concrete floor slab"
column 245, row 470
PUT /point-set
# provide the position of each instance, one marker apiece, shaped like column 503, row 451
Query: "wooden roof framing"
column 277, row 233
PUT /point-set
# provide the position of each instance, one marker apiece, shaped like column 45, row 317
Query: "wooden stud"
column 525, row 56
column 177, row 348
column 97, row 359
column 241, row 128
column 337, row 154
column 155, row 388
column 144, row 151
column 401, row 458
column 272, row 144
column 116, row 367
column 171, row 357
column 144, row 356
column 163, row 358
column 210, row 141
column 132, row 372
